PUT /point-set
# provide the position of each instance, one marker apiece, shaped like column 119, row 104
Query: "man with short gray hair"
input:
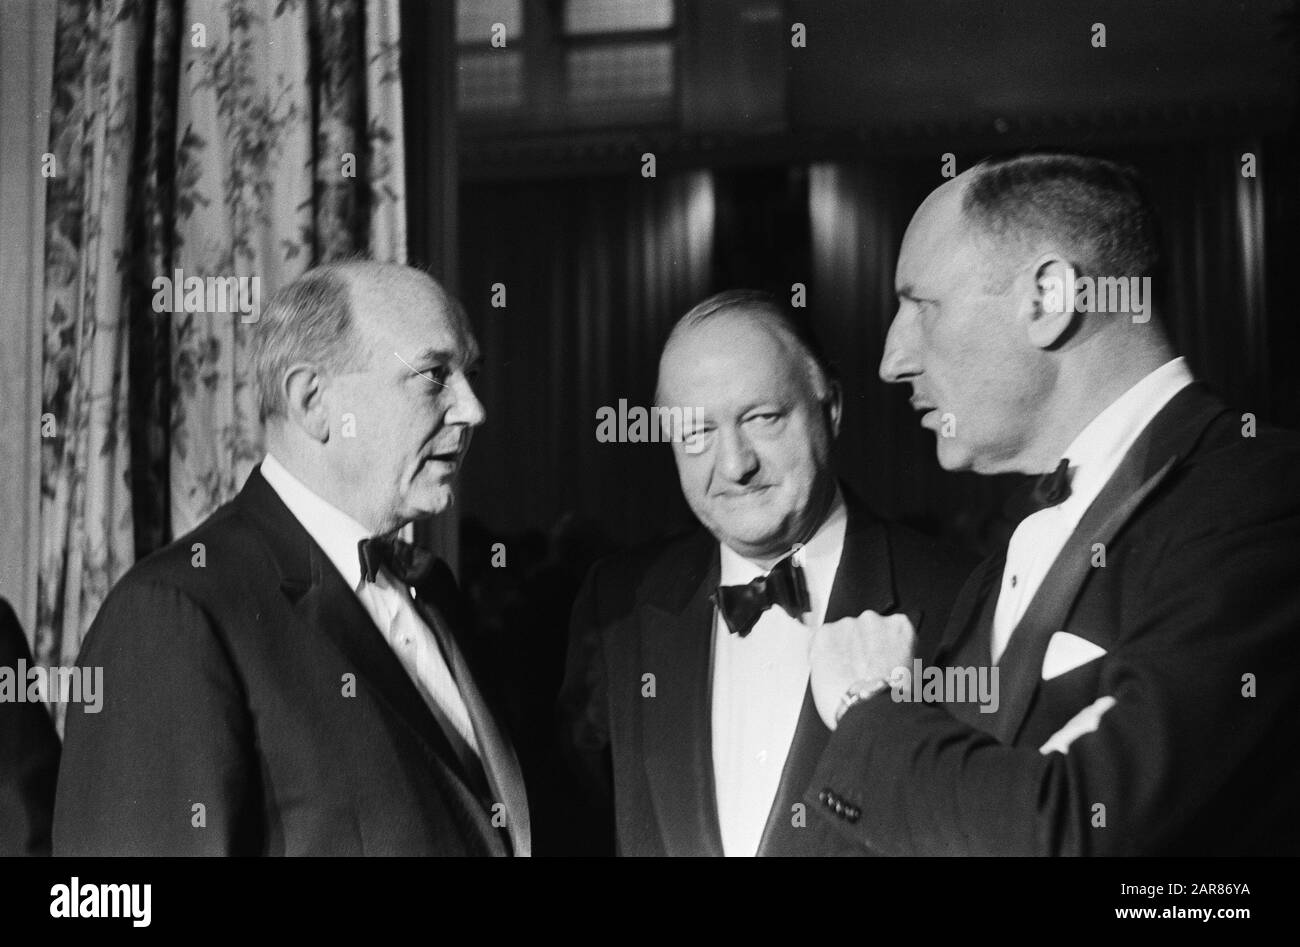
column 689, row 660
column 291, row 678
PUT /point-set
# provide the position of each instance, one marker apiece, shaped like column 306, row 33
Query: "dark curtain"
column 594, row 273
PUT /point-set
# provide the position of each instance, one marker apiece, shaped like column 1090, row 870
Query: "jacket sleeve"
column 167, row 765
column 1206, row 678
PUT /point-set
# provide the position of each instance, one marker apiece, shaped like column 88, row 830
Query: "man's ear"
column 1049, row 311
column 832, row 406
column 305, row 402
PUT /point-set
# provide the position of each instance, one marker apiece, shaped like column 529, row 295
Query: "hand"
column 857, row 651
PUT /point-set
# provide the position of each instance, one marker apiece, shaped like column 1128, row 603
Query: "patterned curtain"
column 218, row 138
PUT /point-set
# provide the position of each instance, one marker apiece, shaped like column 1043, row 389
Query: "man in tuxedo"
column 29, row 753
column 689, row 660
column 1144, row 620
column 291, row 678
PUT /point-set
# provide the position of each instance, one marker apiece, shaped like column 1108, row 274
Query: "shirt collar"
column 1096, row 452
column 332, row 529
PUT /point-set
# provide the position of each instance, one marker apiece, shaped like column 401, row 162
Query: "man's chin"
column 951, row 456
column 758, row 543
column 432, row 501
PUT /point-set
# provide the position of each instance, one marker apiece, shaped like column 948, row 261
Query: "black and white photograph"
column 590, row 429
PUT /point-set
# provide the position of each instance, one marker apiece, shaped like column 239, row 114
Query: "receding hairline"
column 363, row 276
column 345, row 286
column 751, row 313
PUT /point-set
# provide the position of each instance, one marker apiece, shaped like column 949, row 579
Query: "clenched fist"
column 857, row 653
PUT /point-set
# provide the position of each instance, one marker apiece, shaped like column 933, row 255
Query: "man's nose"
column 737, row 460
column 465, row 409
column 898, row 363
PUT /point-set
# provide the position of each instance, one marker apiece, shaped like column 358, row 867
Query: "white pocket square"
column 1085, row 721
column 1065, row 652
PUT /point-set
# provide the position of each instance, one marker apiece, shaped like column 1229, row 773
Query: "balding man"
column 290, row 678
column 689, row 660
column 1145, row 619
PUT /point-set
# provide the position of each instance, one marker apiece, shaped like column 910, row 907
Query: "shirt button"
column 1013, row 581
column 762, row 756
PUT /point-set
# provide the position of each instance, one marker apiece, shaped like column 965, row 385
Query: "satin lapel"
column 1170, row 436
column 330, row 608
column 864, row 581
column 781, row 837
column 1021, row 664
column 865, row 577
column 966, row 609
column 322, row 603
column 499, row 761
column 321, row 600
column 677, row 644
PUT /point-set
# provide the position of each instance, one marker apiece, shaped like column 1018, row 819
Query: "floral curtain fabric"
column 217, row 139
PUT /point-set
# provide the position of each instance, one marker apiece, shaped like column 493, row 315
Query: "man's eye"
column 696, row 441
column 767, row 417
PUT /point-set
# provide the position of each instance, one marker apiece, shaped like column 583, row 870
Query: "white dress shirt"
column 387, row 600
column 758, row 687
column 1094, row 457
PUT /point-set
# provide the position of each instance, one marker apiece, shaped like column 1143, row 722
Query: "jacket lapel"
column 960, row 637
column 1169, row 437
column 864, row 581
column 676, row 629
column 500, row 764
column 321, row 601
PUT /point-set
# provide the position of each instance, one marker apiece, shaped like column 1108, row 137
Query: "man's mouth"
column 743, row 494
column 451, row 457
column 925, row 408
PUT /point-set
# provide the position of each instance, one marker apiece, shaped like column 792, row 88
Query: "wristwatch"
column 858, row 691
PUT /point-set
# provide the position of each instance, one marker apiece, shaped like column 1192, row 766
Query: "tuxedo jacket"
column 29, row 756
column 251, row 707
column 650, row 612
column 1191, row 618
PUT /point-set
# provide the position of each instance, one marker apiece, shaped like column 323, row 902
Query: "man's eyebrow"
column 437, row 356
column 431, row 354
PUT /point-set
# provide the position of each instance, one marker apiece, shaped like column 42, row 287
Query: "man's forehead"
column 406, row 307
column 937, row 231
column 732, row 353
column 391, row 287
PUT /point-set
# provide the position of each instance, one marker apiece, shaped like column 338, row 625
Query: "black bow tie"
column 742, row 605
column 1052, row 488
column 410, row 564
